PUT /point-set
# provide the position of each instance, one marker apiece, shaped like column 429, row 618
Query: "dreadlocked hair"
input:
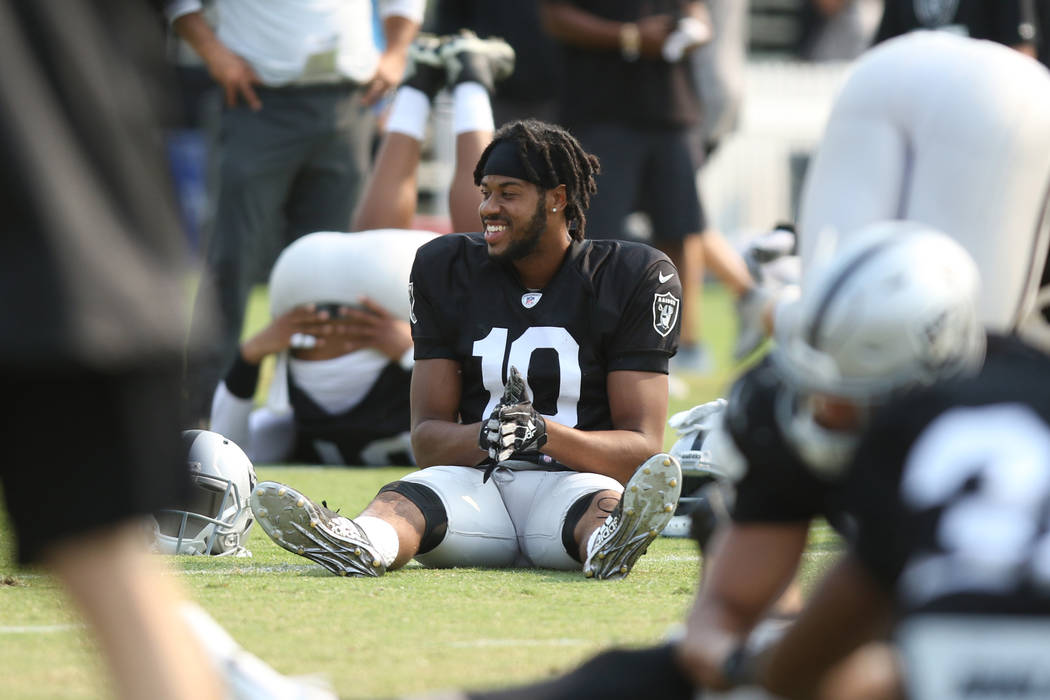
column 564, row 162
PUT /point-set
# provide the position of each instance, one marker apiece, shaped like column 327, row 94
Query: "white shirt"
column 302, row 41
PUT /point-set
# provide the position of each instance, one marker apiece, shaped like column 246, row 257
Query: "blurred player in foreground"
column 90, row 361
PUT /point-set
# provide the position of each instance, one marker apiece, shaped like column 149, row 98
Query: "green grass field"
column 413, row 630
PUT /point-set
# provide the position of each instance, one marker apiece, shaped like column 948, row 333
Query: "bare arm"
column 228, row 69
column 847, row 610
column 437, row 436
column 750, row 567
column 398, row 33
column 638, row 403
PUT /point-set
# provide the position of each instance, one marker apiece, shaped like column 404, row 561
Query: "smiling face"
column 513, row 216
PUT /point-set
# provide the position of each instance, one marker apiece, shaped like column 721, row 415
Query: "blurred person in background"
column 838, row 30
column 629, row 96
column 295, row 140
column 1009, row 22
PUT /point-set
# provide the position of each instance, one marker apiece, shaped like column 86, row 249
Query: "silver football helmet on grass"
column 895, row 308
column 218, row 516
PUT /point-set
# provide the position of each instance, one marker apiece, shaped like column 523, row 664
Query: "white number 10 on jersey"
column 493, row 350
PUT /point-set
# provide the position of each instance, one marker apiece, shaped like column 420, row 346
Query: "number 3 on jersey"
column 493, row 350
column 989, row 469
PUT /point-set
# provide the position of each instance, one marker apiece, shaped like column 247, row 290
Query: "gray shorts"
column 513, row 519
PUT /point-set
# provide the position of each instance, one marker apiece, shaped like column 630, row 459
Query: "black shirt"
column 602, row 87
column 612, row 305
column 383, row 413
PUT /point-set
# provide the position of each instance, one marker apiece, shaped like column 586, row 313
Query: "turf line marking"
column 38, row 629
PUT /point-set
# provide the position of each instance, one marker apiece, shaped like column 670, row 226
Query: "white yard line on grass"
column 38, row 629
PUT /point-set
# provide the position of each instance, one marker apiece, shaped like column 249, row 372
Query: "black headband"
column 505, row 160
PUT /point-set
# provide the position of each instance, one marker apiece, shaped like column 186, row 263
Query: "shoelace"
column 490, row 466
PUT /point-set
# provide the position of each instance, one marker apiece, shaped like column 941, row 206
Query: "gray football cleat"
column 647, row 505
column 468, row 58
column 314, row 531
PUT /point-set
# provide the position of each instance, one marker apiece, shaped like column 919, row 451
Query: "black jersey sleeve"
column 647, row 335
column 432, row 333
column 872, row 496
column 776, row 486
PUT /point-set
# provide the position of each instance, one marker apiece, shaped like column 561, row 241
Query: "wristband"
column 740, row 668
column 630, row 42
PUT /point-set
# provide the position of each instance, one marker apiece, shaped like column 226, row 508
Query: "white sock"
column 382, row 535
column 471, row 109
column 409, row 113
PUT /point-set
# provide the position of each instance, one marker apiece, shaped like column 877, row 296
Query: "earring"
column 554, row 209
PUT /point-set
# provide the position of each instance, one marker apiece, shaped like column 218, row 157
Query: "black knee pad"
column 434, row 514
column 572, row 518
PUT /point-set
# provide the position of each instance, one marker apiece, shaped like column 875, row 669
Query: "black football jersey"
column 382, row 413
column 777, row 486
column 951, row 491
column 612, row 305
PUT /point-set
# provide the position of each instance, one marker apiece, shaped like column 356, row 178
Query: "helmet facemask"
column 217, row 517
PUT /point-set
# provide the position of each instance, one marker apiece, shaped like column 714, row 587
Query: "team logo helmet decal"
column 665, row 313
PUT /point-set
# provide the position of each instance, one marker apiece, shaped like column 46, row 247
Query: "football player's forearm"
column 615, row 453
column 437, row 442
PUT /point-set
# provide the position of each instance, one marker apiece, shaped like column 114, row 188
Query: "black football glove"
column 514, row 425
column 519, row 428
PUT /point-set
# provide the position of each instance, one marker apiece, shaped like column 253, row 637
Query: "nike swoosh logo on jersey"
column 663, row 278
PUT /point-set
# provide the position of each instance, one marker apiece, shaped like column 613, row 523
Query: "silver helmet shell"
column 218, row 516
column 894, row 308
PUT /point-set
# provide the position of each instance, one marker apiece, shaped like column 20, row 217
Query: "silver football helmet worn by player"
column 218, row 516
column 894, row 308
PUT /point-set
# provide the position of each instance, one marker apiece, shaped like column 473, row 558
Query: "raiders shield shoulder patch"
column 665, row 312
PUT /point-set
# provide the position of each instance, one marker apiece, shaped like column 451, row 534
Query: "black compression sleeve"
column 620, row 674
column 242, row 378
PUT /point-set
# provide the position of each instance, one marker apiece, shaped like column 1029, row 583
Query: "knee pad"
column 430, row 505
column 478, row 530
